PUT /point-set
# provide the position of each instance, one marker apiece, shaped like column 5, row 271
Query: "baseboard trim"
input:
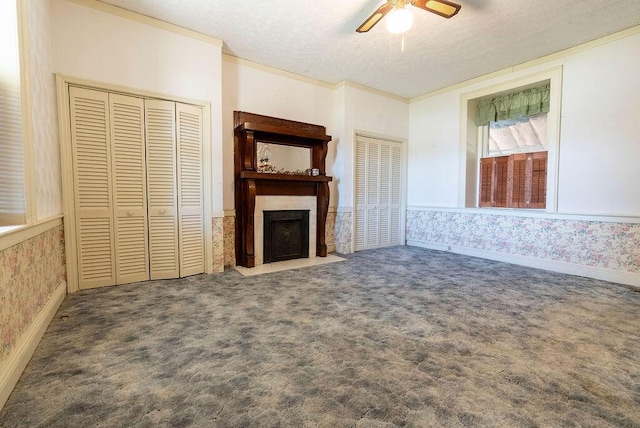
column 13, row 367
column 621, row 277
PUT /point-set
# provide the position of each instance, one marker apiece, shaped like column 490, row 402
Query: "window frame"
column 471, row 141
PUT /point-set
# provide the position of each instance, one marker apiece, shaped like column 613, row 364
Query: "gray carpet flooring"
column 391, row 337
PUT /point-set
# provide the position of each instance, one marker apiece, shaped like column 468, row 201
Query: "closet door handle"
column 163, row 212
column 130, row 213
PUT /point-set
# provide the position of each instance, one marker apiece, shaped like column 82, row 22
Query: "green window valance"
column 511, row 106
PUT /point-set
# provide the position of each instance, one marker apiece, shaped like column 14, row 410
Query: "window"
column 518, row 135
column 12, row 181
column 512, row 131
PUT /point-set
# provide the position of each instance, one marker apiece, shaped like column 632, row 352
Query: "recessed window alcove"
column 256, row 177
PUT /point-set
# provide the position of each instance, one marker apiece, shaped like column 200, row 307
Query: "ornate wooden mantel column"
column 250, row 128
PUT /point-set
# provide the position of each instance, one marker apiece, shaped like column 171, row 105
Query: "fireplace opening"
column 286, row 235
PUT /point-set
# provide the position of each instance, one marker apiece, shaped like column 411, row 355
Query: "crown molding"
column 349, row 84
column 147, row 20
column 268, row 69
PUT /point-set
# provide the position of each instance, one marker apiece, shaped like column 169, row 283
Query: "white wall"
column 371, row 113
column 434, row 151
column 41, row 103
column 599, row 140
column 91, row 44
column 255, row 89
column 337, row 150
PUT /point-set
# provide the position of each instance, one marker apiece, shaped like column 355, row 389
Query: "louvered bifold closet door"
column 190, row 191
column 373, row 194
column 395, row 206
column 384, row 207
column 378, row 193
column 367, row 192
column 91, row 152
column 162, row 192
column 360, row 194
column 129, row 188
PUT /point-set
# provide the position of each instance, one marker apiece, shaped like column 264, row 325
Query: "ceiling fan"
column 401, row 18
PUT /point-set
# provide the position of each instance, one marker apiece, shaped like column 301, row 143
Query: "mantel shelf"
column 319, row 137
column 284, row 177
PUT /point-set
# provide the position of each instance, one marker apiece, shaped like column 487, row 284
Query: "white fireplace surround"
column 274, row 203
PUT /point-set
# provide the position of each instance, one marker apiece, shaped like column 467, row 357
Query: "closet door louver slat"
column 162, row 195
column 190, row 202
column 129, row 185
column 93, row 193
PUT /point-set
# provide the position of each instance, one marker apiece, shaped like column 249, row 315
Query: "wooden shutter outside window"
column 501, row 187
column 517, row 178
column 493, row 182
column 538, row 186
column 486, row 182
column 516, row 181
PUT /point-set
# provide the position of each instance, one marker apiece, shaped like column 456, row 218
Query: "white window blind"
column 12, row 184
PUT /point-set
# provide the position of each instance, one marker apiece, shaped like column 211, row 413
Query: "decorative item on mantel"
column 255, row 173
column 264, row 156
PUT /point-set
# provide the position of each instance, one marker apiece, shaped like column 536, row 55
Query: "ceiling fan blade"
column 375, row 18
column 443, row 8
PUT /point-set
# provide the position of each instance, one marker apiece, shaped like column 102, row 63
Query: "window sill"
column 7, row 229
column 13, row 235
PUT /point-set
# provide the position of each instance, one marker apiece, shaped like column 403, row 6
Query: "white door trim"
column 64, row 129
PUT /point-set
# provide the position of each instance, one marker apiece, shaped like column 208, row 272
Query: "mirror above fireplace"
column 278, row 158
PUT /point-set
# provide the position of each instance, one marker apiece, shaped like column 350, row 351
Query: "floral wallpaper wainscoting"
column 330, row 230
column 342, row 232
column 599, row 244
column 218, row 243
column 30, row 273
column 229, row 240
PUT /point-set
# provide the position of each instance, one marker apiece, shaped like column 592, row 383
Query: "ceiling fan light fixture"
column 399, row 21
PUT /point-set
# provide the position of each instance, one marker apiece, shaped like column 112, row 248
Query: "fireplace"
column 280, row 203
column 277, row 186
column 286, row 235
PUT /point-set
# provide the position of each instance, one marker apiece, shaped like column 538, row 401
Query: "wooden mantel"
column 250, row 128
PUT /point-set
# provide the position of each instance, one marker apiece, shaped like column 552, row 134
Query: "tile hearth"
column 288, row 264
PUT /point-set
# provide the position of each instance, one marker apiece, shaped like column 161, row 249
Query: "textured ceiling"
column 317, row 39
